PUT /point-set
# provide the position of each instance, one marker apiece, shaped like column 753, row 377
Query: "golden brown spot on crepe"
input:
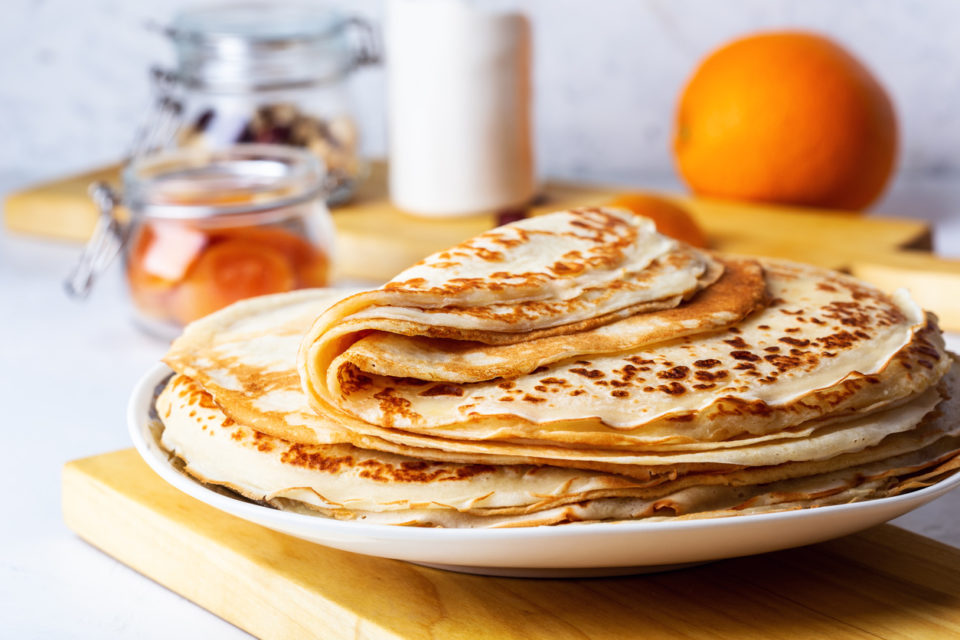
column 588, row 373
column 745, row 366
column 228, row 422
column 823, row 286
column 796, row 342
column 506, row 399
column 392, row 406
column 551, row 380
column 710, row 376
column 619, row 393
column 628, row 373
column 839, row 340
column 487, row 254
column 561, row 268
column 507, row 384
column 411, row 283
column 307, row 456
column 771, row 349
column 737, row 342
column 522, row 238
column 676, row 373
column 744, row 355
column 529, row 398
column 443, row 389
column 351, row 379
column 706, row 364
column 784, row 363
column 673, row 388
column 765, row 327
column 237, row 435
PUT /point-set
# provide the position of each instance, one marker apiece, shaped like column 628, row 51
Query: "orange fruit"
column 786, row 117
column 671, row 219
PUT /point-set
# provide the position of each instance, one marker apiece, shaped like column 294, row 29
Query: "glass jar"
column 201, row 229
column 264, row 73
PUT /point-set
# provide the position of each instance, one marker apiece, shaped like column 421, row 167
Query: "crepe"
column 345, row 482
column 575, row 367
column 825, row 345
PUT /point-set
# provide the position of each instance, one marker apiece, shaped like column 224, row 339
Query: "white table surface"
column 67, row 369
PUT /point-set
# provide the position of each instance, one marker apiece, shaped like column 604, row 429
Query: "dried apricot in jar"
column 310, row 262
column 159, row 257
column 228, row 271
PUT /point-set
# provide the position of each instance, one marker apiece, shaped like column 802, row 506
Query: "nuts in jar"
column 209, row 228
column 333, row 140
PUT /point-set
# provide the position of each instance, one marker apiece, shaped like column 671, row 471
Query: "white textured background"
column 73, row 76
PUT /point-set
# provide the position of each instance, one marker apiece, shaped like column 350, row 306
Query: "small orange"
column 671, row 219
column 786, row 117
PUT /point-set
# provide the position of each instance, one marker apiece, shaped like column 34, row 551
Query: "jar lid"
column 196, row 183
column 264, row 45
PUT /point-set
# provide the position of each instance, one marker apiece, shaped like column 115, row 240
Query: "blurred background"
column 607, row 74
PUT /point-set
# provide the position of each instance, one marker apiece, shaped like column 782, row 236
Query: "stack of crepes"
column 571, row 367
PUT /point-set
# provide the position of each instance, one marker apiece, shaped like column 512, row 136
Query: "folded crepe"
column 573, row 367
column 764, row 351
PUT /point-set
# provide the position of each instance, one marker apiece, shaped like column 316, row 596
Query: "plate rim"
column 137, row 423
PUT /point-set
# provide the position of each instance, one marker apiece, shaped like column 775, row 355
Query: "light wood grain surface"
column 375, row 240
column 883, row 583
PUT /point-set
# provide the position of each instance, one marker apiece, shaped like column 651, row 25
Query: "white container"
column 459, row 107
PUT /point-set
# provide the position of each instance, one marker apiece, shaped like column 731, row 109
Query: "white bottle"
column 459, row 107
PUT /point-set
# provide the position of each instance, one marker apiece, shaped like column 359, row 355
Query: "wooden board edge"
column 165, row 551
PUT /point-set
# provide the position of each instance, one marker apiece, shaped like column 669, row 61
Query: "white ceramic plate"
column 567, row 550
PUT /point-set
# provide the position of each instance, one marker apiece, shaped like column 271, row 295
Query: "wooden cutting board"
column 375, row 240
column 882, row 583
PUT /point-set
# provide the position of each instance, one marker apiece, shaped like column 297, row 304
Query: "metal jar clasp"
column 106, row 242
